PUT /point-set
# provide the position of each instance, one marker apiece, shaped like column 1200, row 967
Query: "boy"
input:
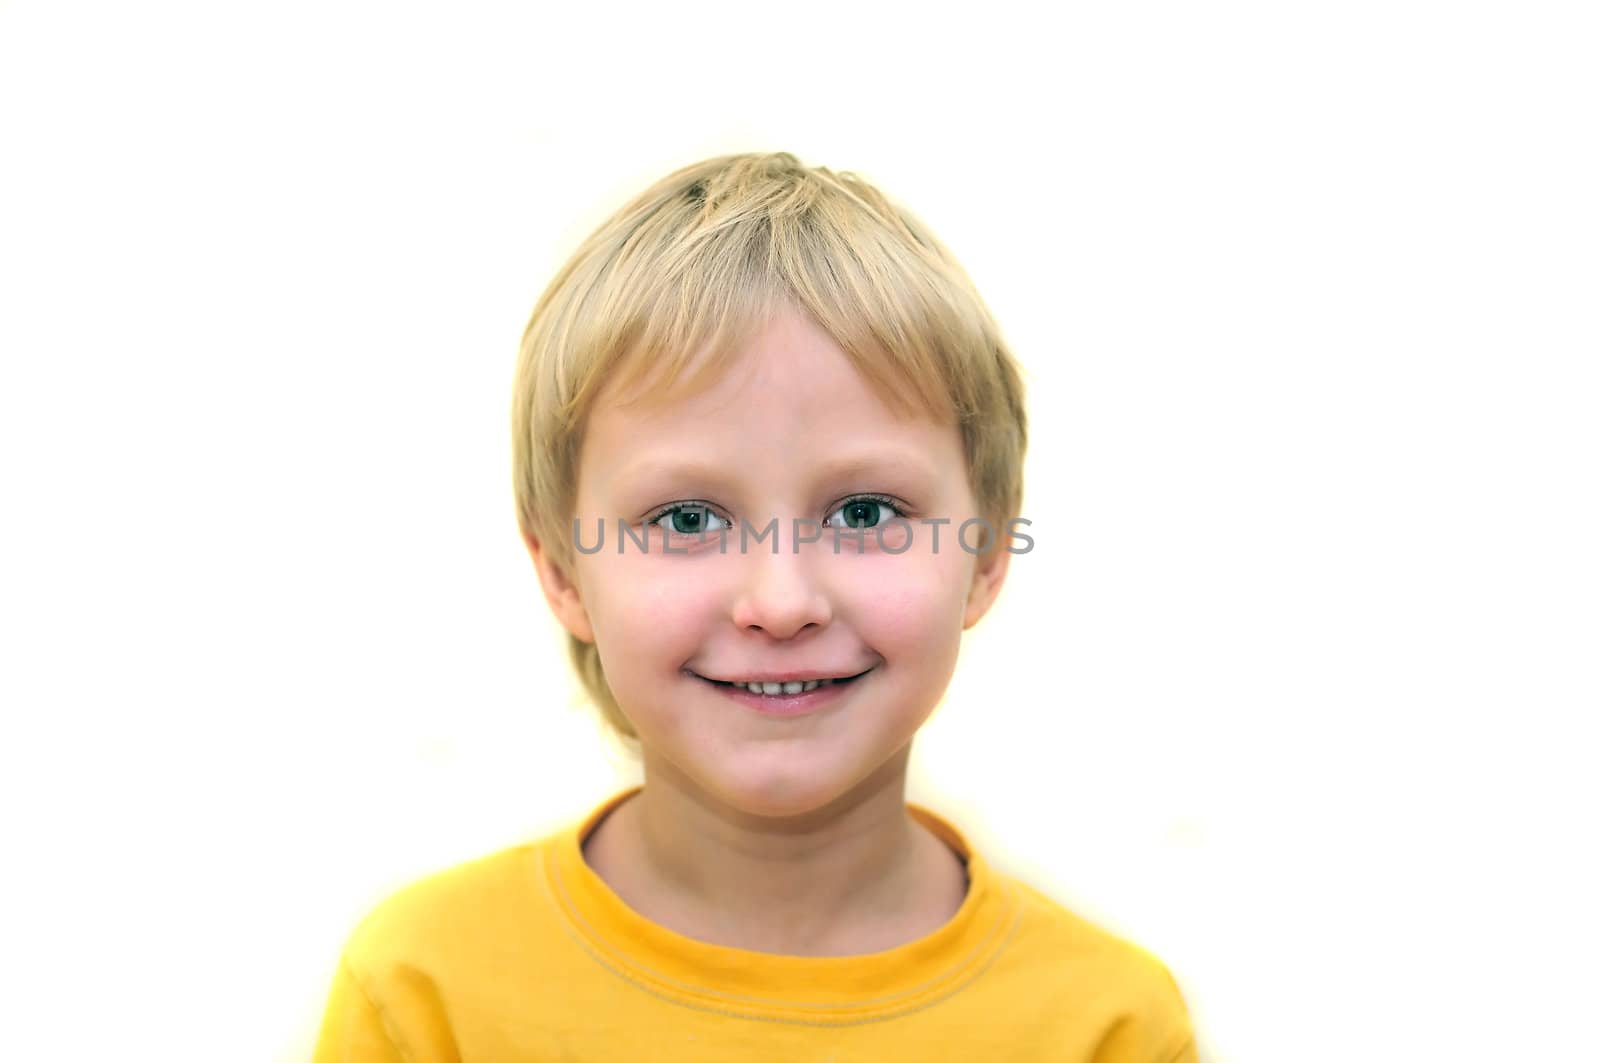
column 744, row 413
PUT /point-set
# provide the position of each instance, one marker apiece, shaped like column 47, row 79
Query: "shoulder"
column 1053, row 925
column 415, row 964
column 445, row 912
column 1136, row 992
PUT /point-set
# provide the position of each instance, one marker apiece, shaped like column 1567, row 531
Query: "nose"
column 780, row 595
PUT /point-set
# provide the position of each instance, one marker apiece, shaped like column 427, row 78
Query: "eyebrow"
column 894, row 460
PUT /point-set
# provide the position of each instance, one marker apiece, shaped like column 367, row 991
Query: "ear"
column 987, row 576
column 560, row 591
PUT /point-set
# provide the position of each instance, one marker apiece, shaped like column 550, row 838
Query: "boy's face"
column 790, row 432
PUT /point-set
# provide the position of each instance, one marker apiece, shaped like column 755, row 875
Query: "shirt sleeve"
column 353, row 1029
column 1185, row 1054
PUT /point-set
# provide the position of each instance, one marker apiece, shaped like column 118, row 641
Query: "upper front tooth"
column 794, row 686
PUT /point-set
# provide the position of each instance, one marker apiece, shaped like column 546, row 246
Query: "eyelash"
column 667, row 511
column 899, row 509
column 883, row 500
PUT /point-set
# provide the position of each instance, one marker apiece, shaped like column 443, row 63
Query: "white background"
column 1296, row 689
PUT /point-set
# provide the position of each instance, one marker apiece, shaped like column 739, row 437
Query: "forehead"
column 787, row 393
column 789, row 357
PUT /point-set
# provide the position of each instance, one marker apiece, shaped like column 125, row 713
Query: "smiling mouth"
column 789, row 688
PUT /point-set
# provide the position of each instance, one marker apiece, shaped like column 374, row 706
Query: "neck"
column 856, row 875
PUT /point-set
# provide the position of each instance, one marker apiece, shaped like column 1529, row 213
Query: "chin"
column 785, row 791
column 775, row 796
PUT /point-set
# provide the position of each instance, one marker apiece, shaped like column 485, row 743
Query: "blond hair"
column 700, row 262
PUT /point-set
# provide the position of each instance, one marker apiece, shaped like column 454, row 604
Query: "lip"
column 785, row 705
column 791, row 677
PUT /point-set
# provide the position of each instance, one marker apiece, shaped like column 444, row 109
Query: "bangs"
column 704, row 272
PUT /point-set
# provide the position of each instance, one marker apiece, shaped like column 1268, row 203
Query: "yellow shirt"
column 528, row 955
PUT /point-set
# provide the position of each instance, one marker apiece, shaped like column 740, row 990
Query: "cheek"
column 654, row 609
column 909, row 602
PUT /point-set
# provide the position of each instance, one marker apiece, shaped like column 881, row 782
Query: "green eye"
column 688, row 519
column 861, row 514
column 864, row 512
